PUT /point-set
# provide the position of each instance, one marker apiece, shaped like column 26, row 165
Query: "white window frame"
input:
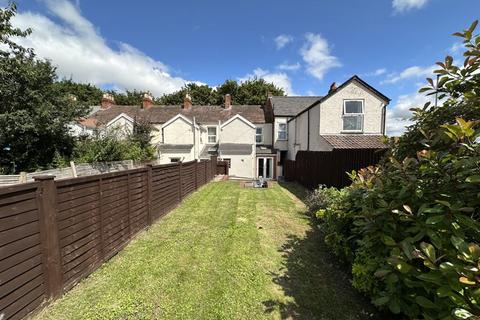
column 286, row 131
column 345, row 115
column 209, row 135
column 259, row 135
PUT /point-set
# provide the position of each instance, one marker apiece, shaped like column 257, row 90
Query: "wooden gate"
column 222, row 167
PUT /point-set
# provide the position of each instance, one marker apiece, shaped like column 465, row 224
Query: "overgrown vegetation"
column 410, row 227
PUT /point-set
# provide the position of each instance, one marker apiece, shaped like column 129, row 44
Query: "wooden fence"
column 313, row 168
column 75, row 170
column 53, row 233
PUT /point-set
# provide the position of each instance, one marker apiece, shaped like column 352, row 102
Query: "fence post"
column 149, row 194
column 180, row 181
column 195, row 169
column 47, row 214
column 74, row 169
column 129, row 207
column 102, row 223
column 23, row 177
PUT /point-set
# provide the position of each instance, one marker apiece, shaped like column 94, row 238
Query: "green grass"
column 225, row 253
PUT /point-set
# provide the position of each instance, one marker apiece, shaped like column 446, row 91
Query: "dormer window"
column 353, row 115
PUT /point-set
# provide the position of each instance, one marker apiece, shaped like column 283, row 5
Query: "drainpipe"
column 194, row 140
column 308, row 130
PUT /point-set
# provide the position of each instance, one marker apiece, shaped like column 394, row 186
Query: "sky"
column 302, row 46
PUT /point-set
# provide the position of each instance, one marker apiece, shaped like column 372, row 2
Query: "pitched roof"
column 355, row 141
column 175, row 147
column 353, row 78
column 234, row 149
column 291, row 106
column 265, row 150
column 202, row 114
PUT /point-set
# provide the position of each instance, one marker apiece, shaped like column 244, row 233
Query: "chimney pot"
column 227, row 101
column 107, row 101
column 333, row 87
column 147, row 101
column 187, row 102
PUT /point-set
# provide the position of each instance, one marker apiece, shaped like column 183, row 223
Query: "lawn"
column 225, row 253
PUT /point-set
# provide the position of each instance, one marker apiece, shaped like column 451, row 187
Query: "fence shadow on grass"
column 317, row 285
column 295, row 188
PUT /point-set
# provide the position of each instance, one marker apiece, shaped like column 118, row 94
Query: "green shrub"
column 419, row 227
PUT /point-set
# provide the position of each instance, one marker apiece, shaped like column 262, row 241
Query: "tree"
column 129, row 98
column 85, row 94
column 200, row 94
column 34, row 112
column 250, row 92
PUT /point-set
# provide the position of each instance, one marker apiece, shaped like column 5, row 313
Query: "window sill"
column 351, row 131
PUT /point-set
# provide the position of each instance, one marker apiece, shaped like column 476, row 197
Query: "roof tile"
column 355, row 141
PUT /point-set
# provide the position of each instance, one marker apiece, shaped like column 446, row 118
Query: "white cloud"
column 78, row 50
column 316, row 53
column 376, row 73
column 282, row 40
column 405, row 5
column 289, row 67
column 398, row 116
column 279, row 79
column 379, row 72
column 410, row 72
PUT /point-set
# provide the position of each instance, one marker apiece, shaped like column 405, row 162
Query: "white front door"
column 265, row 168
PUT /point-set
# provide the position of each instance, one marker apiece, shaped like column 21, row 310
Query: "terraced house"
column 254, row 139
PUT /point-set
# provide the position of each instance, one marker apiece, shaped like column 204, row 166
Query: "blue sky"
column 302, row 46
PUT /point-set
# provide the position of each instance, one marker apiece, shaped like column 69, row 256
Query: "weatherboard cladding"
column 202, row 114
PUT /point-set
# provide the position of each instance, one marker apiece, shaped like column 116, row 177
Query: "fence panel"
column 188, row 178
column 55, row 233
column 22, row 278
column 165, row 189
column 312, row 168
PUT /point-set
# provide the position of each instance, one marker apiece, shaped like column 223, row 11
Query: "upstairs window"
column 353, row 115
column 212, row 134
column 259, row 135
column 282, row 131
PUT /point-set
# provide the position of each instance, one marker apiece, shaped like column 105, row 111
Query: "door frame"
column 274, row 165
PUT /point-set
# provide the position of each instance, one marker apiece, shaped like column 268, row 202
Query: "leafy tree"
column 129, row 98
column 34, row 112
column 253, row 91
column 85, row 94
column 200, row 94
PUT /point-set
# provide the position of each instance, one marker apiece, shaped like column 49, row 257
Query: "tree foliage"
column 34, row 112
column 458, row 87
column 250, row 92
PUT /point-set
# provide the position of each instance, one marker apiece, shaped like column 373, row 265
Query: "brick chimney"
column 187, row 102
column 107, row 101
column 333, row 87
column 227, row 104
column 147, row 101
